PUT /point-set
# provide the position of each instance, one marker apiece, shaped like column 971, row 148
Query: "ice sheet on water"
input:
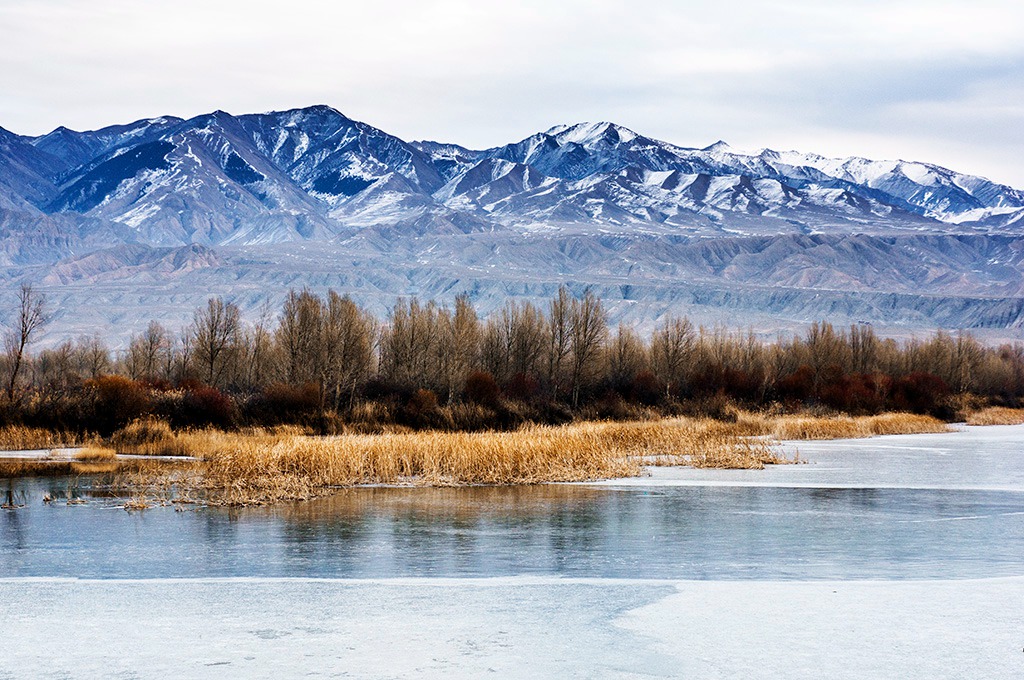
column 511, row 629
column 972, row 458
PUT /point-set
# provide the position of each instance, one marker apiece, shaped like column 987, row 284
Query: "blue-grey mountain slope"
column 146, row 219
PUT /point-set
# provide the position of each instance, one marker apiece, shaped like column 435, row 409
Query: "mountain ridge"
column 310, row 197
column 341, row 173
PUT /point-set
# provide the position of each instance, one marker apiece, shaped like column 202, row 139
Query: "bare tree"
column 257, row 345
column 671, row 348
column 30, row 317
column 146, row 352
column 214, row 329
column 348, row 346
column 409, row 344
column 92, row 356
column 300, row 337
column 559, row 325
column 587, row 332
column 627, row 357
column 458, row 345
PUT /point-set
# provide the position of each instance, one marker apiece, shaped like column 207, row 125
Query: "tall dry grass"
column 697, row 442
column 259, row 465
column 149, row 437
column 846, row 427
column 95, row 454
column 997, row 415
column 21, row 438
column 255, row 466
column 247, row 468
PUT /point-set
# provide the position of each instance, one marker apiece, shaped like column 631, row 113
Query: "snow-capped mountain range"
column 151, row 203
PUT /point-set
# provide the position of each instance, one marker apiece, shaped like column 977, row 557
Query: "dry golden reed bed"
column 261, row 466
column 21, row 438
column 845, row 427
column 258, row 466
column 997, row 415
column 96, row 454
column 266, row 466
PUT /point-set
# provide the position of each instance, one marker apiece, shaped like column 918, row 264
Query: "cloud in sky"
column 933, row 80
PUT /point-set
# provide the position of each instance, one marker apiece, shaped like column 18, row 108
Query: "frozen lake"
column 895, row 557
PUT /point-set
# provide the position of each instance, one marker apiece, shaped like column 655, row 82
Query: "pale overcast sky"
column 931, row 80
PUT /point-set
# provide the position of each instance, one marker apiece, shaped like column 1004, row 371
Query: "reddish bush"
column 421, row 409
column 159, row 385
column 205, row 405
column 481, row 388
column 646, row 388
column 919, row 393
column 612, row 406
column 741, row 385
column 116, row 401
column 189, row 384
column 797, row 386
column 422, row 401
column 522, row 387
column 280, row 403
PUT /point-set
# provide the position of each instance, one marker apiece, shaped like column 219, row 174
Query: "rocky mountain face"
column 147, row 219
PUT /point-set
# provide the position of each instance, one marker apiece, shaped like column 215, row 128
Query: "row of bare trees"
column 562, row 350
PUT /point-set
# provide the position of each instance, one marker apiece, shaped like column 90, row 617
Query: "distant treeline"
column 327, row 363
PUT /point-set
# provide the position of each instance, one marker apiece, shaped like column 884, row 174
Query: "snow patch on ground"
column 511, row 628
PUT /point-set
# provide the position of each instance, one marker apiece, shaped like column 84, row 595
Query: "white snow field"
column 970, row 458
column 511, row 628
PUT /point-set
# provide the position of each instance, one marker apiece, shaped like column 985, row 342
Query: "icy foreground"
column 899, row 509
column 529, row 628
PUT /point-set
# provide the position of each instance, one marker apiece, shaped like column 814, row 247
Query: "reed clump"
column 847, row 427
column 997, row 415
column 271, row 467
column 22, row 438
column 148, row 437
column 697, row 442
column 95, row 454
column 264, row 466
column 905, row 423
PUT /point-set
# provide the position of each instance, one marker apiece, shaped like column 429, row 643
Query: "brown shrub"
column 118, row 400
column 481, row 388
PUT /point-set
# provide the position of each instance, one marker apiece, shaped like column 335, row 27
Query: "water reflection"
column 664, row 532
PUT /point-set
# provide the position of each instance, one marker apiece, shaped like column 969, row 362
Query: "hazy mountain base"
column 145, row 220
column 902, row 285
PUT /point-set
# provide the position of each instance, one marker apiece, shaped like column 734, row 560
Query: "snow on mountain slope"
column 73, row 148
column 200, row 181
column 135, row 221
column 313, row 173
column 724, row 187
column 926, row 189
column 24, row 174
column 333, row 157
